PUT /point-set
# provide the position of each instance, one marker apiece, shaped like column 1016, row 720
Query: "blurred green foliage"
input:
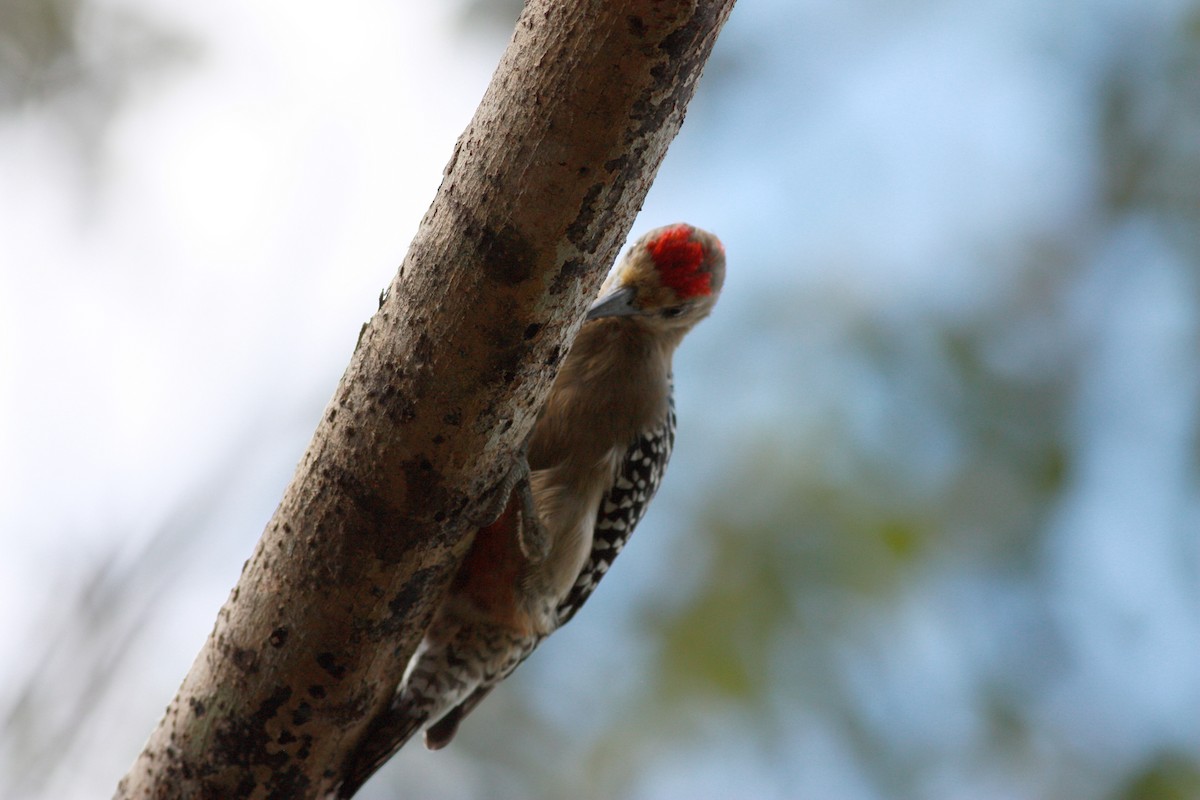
column 78, row 62
column 1171, row 777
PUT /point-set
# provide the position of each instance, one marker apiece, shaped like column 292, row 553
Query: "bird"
column 593, row 461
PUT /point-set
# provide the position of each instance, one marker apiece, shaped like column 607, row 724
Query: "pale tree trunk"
column 443, row 387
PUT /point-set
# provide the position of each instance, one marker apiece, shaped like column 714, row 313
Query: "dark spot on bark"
column 398, row 408
column 305, row 748
column 244, row 659
column 376, row 512
column 243, row 741
column 350, row 712
column 278, row 637
column 329, row 663
column 302, row 714
column 423, row 349
column 577, row 231
column 439, row 439
column 197, row 707
column 439, row 516
column 454, row 418
column 388, row 529
column 286, row 737
column 268, row 708
column 507, row 256
column 405, row 606
column 287, row 784
column 554, row 357
column 316, row 691
column 507, row 362
column 332, row 414
column 402, row 411
column 413, row 590
column 570, row 272
column 636, row 26
column 245, row 787
column 617, row 164
column 532, row 330
column 677, row 43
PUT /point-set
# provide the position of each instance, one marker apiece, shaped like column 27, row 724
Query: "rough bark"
column 538, row 196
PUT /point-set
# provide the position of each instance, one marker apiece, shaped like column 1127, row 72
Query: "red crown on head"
column 678, row 259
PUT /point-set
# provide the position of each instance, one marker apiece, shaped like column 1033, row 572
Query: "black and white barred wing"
column 621, row 509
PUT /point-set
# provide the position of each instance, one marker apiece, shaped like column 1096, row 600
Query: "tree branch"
column 443, row 386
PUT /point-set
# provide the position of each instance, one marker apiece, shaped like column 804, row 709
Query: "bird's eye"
column 672, row 312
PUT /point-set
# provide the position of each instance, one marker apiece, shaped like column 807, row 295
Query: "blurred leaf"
column 78, row 60
column 37, row 47
column 1168, row 778
column 901, row 538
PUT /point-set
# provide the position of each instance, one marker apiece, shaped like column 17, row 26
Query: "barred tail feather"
column 387, row 734
column 445, row 681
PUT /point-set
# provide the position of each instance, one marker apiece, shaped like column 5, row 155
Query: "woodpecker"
column 595, row 458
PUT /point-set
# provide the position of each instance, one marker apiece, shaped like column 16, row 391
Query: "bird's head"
column 671, row 276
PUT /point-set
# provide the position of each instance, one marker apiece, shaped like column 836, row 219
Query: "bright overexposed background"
column 932, row 527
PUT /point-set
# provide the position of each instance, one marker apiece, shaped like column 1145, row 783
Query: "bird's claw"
column 531, row 533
